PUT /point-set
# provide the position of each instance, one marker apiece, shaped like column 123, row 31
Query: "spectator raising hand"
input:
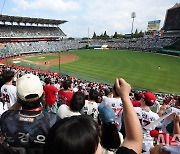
column 123, row 88
column 133, row 139
column 163, row 108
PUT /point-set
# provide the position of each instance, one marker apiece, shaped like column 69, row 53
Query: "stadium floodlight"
column 133, row 15
column 3, row 6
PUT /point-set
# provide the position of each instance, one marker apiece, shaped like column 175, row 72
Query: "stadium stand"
column 137, row 44
column 17, row 38
column 16, row 31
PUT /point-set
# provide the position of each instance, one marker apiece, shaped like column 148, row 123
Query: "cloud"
column 47, row 5
column 115, row 15
column 99, row 15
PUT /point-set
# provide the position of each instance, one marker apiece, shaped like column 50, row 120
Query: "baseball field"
column 143, row 70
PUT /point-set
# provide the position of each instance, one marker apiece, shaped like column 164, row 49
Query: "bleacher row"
column 137, row 43
column 29, row 31
column 64, row 45
column 40, row 46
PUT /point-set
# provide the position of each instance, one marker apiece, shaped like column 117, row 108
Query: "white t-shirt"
column 117, row 106
column 64, row 111
column 146, row 117
column 9, row 95
column 90, row 108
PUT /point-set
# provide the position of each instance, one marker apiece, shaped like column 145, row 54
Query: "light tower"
column 133, row 15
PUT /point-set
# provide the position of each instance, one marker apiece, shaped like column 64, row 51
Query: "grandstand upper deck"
column 17, row 31
column 25, row 27
column 25, row 20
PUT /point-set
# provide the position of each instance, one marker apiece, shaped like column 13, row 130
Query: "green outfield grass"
column 140, row 69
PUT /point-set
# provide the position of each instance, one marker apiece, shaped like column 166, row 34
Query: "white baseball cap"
column 29, row 84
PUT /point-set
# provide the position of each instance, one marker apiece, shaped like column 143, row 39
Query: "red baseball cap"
column 149, row 97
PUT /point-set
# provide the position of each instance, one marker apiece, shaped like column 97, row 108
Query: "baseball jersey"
column 9, row 95
column 146, row 117
column 90, row 108
column 50, row 94
column 117, row 106
column 26, row 131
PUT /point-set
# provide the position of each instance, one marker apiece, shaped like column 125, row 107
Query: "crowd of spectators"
column 17, row 31
column 15, row 48
column 136, row 43
column 109, row 108
column 144, row 44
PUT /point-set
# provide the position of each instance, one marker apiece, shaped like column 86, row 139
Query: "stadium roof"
column 175, row 6
column 6, row 18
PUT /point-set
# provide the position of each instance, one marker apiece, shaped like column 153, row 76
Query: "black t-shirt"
column 124, row 150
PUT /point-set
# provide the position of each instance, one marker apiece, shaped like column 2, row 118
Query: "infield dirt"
column 64, row 58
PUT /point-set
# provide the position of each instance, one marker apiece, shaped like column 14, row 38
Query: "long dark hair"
column 109, row 136
column 76, row 134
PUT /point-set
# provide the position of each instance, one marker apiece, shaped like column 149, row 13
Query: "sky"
column 88, row 16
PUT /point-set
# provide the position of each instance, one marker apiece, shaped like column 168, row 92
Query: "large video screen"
column 153, row 25
column 172, row 21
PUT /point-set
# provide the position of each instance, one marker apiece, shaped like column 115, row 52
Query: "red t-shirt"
column 50, row 94
column 65, row 97
column 136, row 103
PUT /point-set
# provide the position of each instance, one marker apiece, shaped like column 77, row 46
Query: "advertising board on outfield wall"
column 153, row 25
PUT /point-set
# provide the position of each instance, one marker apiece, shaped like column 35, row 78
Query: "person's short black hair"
column 67, row 84
column 94, row 94
column 31, row 104
column 148, row 103
column 8, row 75
column 1, row 81
column 47, row 80
column 177, row 98
column 137, row 95
column 107, row 91
column 77, row 101
column 109, row 136
column 76, row 134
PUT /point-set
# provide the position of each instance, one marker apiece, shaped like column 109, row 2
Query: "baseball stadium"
column 149, row 63
column 92, row 95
